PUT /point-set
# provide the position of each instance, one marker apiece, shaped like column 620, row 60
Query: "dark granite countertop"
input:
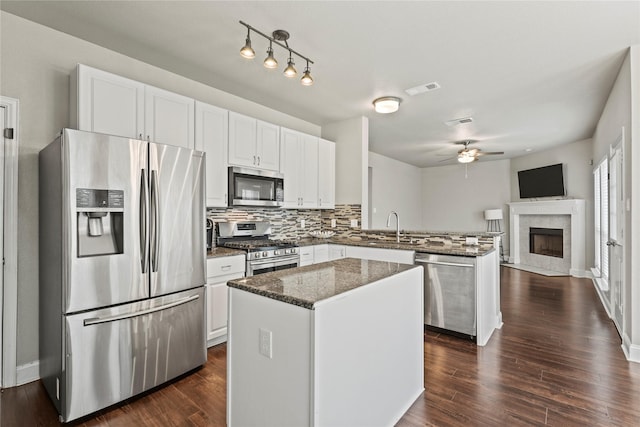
column 306, row 286
column 429, row 248
column 220, row 252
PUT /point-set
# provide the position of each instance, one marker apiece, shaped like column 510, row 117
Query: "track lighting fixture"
column 270, row 62
column 306, row 79
column 247, row 51
column 279, row 37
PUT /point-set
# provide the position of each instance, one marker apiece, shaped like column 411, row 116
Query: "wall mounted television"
column 547, row 181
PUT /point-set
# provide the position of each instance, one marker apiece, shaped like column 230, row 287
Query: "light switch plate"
column 302, row 223
column 333, row 223
column 471, row 240
column 354, row 223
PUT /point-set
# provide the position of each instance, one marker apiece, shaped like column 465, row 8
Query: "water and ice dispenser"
column 99, row 221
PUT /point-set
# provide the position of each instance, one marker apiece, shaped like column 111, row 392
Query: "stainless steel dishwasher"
column 449, row 292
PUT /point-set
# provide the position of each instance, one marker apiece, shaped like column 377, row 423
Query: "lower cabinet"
column 219, row 272
column 381, row 254
column 337, row 252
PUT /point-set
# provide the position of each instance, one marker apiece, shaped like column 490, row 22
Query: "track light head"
column 306, row 79
column 247, row 51
column 270, row 61
column 290, row 71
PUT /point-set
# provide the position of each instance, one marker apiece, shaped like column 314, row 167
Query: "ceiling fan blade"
column 446, row 160
column 484, row 153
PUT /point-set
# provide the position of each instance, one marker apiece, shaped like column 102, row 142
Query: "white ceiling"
column 531, row 74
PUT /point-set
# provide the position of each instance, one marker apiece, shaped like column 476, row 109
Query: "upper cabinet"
column 211, row 137
column 107, row 103
column 253, row 143
column 326, row 174
column 299, row 164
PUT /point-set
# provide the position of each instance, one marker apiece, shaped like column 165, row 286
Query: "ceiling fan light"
column 290, row 71
column 465, row 158
column 270, row 61
column 386, row 104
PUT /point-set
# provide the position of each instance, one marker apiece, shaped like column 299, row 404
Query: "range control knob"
column 256, row 255
column 264, row 254
column 279, row 252
column 292, row 250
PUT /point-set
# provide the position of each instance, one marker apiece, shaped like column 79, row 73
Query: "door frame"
column 617, row 146
column 9, row 292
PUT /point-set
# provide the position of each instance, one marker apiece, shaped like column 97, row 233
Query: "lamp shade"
column 492, row 214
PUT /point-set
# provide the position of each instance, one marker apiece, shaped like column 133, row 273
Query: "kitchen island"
column 331, row 344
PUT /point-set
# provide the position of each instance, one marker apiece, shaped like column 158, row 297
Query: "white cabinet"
column 306, row 255
column 380, row 254
column 168, row 117
column 299, row 164
column 212, row 133
column 253, row 143
column 320, row 253
column 107, row 103
column 326, row 174
column 219, row 272
column 337, row 252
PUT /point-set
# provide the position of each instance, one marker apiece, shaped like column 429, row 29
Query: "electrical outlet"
column 265, row 341
column 354, row 223
column 302, row 223
column 471, row 240
column 333, row 223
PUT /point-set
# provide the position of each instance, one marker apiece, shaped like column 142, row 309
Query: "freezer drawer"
column 449, row 292
column 113, row 354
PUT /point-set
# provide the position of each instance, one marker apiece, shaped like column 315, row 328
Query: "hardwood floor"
column 556, row 361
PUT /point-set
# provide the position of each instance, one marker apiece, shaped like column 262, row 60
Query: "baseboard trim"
column 27, row 373
column 601, row 296
column 631, row 351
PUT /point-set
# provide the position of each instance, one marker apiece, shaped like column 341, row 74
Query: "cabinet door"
column 169, row 118
column 216, row 312
column 309, row 172
column 267, row 146
column 326, row 174
column 211, row 137
column 242, row 140
column 320, row 253
column 107, row 103
column 290, row 166
column 337, row 252
column 306, row 255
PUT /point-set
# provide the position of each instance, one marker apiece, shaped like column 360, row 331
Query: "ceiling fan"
column 468, row 155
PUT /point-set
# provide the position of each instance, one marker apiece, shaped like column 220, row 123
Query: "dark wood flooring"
column 556, row 361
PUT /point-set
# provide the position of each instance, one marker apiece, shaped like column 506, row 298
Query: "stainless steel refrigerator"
column 122, row 268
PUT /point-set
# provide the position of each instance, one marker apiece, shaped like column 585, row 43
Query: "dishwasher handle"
column 450, row 264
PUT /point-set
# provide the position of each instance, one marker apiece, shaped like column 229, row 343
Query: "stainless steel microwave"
column 255, row 187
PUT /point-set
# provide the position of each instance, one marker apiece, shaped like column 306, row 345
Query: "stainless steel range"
column 263, row 254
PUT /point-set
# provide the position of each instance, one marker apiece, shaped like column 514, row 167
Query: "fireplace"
column 546, row 241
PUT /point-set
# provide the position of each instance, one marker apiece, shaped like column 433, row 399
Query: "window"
column 601, row 223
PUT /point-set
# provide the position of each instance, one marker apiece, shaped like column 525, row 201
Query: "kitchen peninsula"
column 335, row 343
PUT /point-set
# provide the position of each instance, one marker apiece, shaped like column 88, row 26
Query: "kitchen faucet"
column 397, row 224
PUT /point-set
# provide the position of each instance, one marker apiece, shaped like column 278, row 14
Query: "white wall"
column 576, row 159
column 35, row 66
column 395, row 186
column 453, row 202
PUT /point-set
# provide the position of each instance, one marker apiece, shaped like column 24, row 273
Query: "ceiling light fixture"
column 466, row 157
column 247, row 51
column 270, row 61
column 386, row 104
column 279, row 37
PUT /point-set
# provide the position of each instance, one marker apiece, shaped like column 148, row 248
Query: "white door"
column 169, row 118
column 616, row 236
column 3, row 111
column 211, row 137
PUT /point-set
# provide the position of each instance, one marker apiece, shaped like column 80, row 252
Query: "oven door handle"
column 278, row 261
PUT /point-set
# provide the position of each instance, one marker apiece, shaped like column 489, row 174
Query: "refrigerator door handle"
column 144, row 214
column 155, row 224
column 114, row 318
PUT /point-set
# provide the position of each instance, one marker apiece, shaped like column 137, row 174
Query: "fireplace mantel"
column 573, row 207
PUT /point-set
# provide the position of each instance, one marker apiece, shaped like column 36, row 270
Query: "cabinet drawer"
column 223, row 266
